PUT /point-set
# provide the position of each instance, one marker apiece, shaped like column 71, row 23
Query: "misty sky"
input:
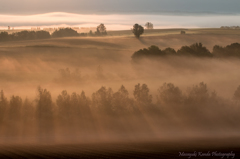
column 119, row 14
column 119, row 6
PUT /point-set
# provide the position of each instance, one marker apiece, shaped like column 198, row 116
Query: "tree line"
column 75, row 116
column 63, row 32
column 24, row 35
column 194, row 50
column 66, row 32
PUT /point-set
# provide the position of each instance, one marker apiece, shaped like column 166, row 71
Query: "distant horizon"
column 119, row 15
column 117, row 21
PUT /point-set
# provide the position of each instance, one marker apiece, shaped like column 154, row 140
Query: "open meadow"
column 181, row 103
column 31, row 63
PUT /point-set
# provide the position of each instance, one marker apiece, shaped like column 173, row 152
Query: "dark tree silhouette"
column 137, row 30
column 101, row 30
column 183, row 32
column 102, row 100
column 236, row 95
column 24, row 35
column 149, row 25
column 115, row 114
column 198, row 94
column 64, row 107
column 4, row 36
column 65, row 114
column 66, row 32
column 232, row 50
column 141, row 94
column 14, row 117
column 44, row 115
column 169, row 94
column 169, row 51
column 121, row 102
column 81, row 112
column 84, row 104
column 90, row 33
column 153, row 51
column 196, row 50
column 28, row 119
column 42, row 35
column 3, row 107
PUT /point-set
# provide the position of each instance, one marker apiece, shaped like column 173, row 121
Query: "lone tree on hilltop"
column 137, row 30
column 101, row 30
column 149, row 25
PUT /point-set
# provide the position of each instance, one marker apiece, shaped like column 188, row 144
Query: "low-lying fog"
column 87, row 64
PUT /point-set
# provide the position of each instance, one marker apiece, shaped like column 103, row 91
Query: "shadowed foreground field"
column 215, row 148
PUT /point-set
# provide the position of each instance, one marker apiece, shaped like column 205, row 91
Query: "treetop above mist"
column 194, row 50
column 137, row 30
column 66, row 32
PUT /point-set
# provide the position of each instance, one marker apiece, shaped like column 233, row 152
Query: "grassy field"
column 161, row 32
column 88, row 63
column 37, row 62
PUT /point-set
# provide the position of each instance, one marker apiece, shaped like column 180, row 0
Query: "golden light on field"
column 119, row 78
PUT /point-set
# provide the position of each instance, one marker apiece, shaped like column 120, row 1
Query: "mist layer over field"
column 183, row 107
column 45, row 63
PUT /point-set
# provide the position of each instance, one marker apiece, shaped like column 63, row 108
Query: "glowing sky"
column 119, row 14
column 116, row 22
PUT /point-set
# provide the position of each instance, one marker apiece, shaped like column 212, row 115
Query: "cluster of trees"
column 63, row 32
column 194, row 50
column 24, row 35
column 75, row 115
column 138, row 30
column 232, row 50
column 68, row 32
column 101, row 30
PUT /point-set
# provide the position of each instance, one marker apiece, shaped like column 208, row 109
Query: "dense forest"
column 194, row 50
column 109, row 114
